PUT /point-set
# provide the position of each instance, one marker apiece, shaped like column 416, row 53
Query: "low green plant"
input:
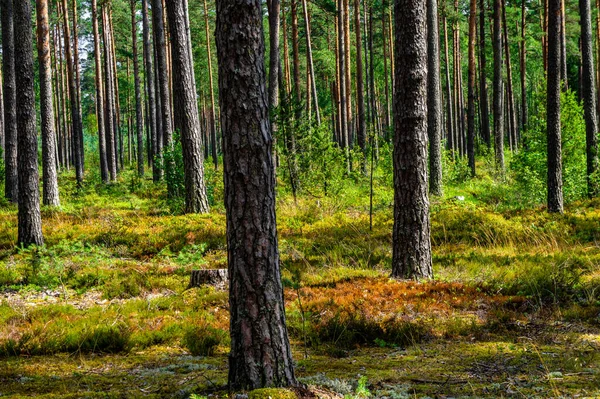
column 202, row 340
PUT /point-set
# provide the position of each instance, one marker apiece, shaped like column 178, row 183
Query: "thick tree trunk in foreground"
column 50, row 177
column 260, row 351
column 411, row 257
column 11, row 183
column 589, row 98
column 434, row 100
column 187, row 120
column 555, row 194
column 30, row 219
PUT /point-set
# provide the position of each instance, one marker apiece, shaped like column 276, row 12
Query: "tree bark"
column 50, row 178
column 512, row 113
column 260, row 351
column 483, row 88
column 411, row 255
column 498, row 89
column 187, row 120
column 449, row 97
column 139, row 119
column 104, row 173
column 80, row 140
column 29, row 216
column 151, row 97
column 109, row 112
column 11, row 184
column 555, row 194
column 589, row 98
column 361, row 127
column 213, row 121
column 523, row 68
column 161, row 69
column 563, row 47
column 471, row 88
column 310, row 64
column 434, row 100
column 77, row 126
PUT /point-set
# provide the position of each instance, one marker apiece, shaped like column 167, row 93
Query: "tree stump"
column 217, row 278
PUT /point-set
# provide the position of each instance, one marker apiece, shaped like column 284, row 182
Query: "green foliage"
column 202, row 340
column 529, row 166
column 172, row 165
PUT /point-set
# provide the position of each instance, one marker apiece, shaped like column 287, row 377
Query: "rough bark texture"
column 555, row 195
column 50, row 178
column 260, row 351
column 30, row 220
column 10, row 105
column 214, row 277
column 589, row 98
column 498, row 88
column 483, row 89
column 523, row 57
column 434, row 100
column 139, row 120
column 187, row 120
column 109, row 112
column 310, row 64
column 411, row 256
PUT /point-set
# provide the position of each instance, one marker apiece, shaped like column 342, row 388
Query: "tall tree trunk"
column 29, row 216
column 563, row 47
column 139, row 119
column 104, row 173
column 260, row 351
column 151, row 95
column 187, row 120
column 434, row 100
column 589, row 99
column 11, row 184
column 161, row 69
column 109, row 112
column 77, row 125
column 544, row 17
column 510, row 100
column 361, row 127
column 471, row 88
column 213, row 126
column 309, row 61
column 342, row 83
column 117, row 102
column 498, row 88
column 483, row 88
column 80, row 140
column 296, row 57
column 50, row 178
column 449, row 98
column 349, row 111
column 523, row 68
column 411, row 255
column 274, row 8
column 555, row 194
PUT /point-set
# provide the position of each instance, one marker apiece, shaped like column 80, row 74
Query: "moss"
column 272, row 393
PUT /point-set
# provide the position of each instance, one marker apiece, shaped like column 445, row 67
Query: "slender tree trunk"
column 213, row 127
column 498, row 88
column 411, row 255
column 260, row 353
column 450, row 106
column 77, row 126
column 80, row 140
column 523, row 59
column 388, row 118
column 11, row 184
column 483, row 88
column 563, row 47
column 471, row 88
column 555, row 194
column 161, row 68
column 434, row 100
column 29, row 216
column 361, row 128
column 510, row 100
column 296, row 57
column 50, row 178
column 117, row 102
column 139, row 120
column 99, row 96
column 151, row 101
column 109, row 111
column 187, row 120
column 309, row 61
column 589, row 98
column 274, row 9
column 342, row 83
column 349, row 111
column 544, row 17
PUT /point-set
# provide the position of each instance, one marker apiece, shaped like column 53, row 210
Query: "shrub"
column 202, row 340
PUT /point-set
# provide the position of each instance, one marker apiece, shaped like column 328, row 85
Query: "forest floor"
column 103, row 311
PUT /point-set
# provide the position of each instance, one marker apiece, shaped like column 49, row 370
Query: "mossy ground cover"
column 103, row 311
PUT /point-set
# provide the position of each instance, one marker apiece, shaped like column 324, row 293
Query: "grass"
column 102, row 310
